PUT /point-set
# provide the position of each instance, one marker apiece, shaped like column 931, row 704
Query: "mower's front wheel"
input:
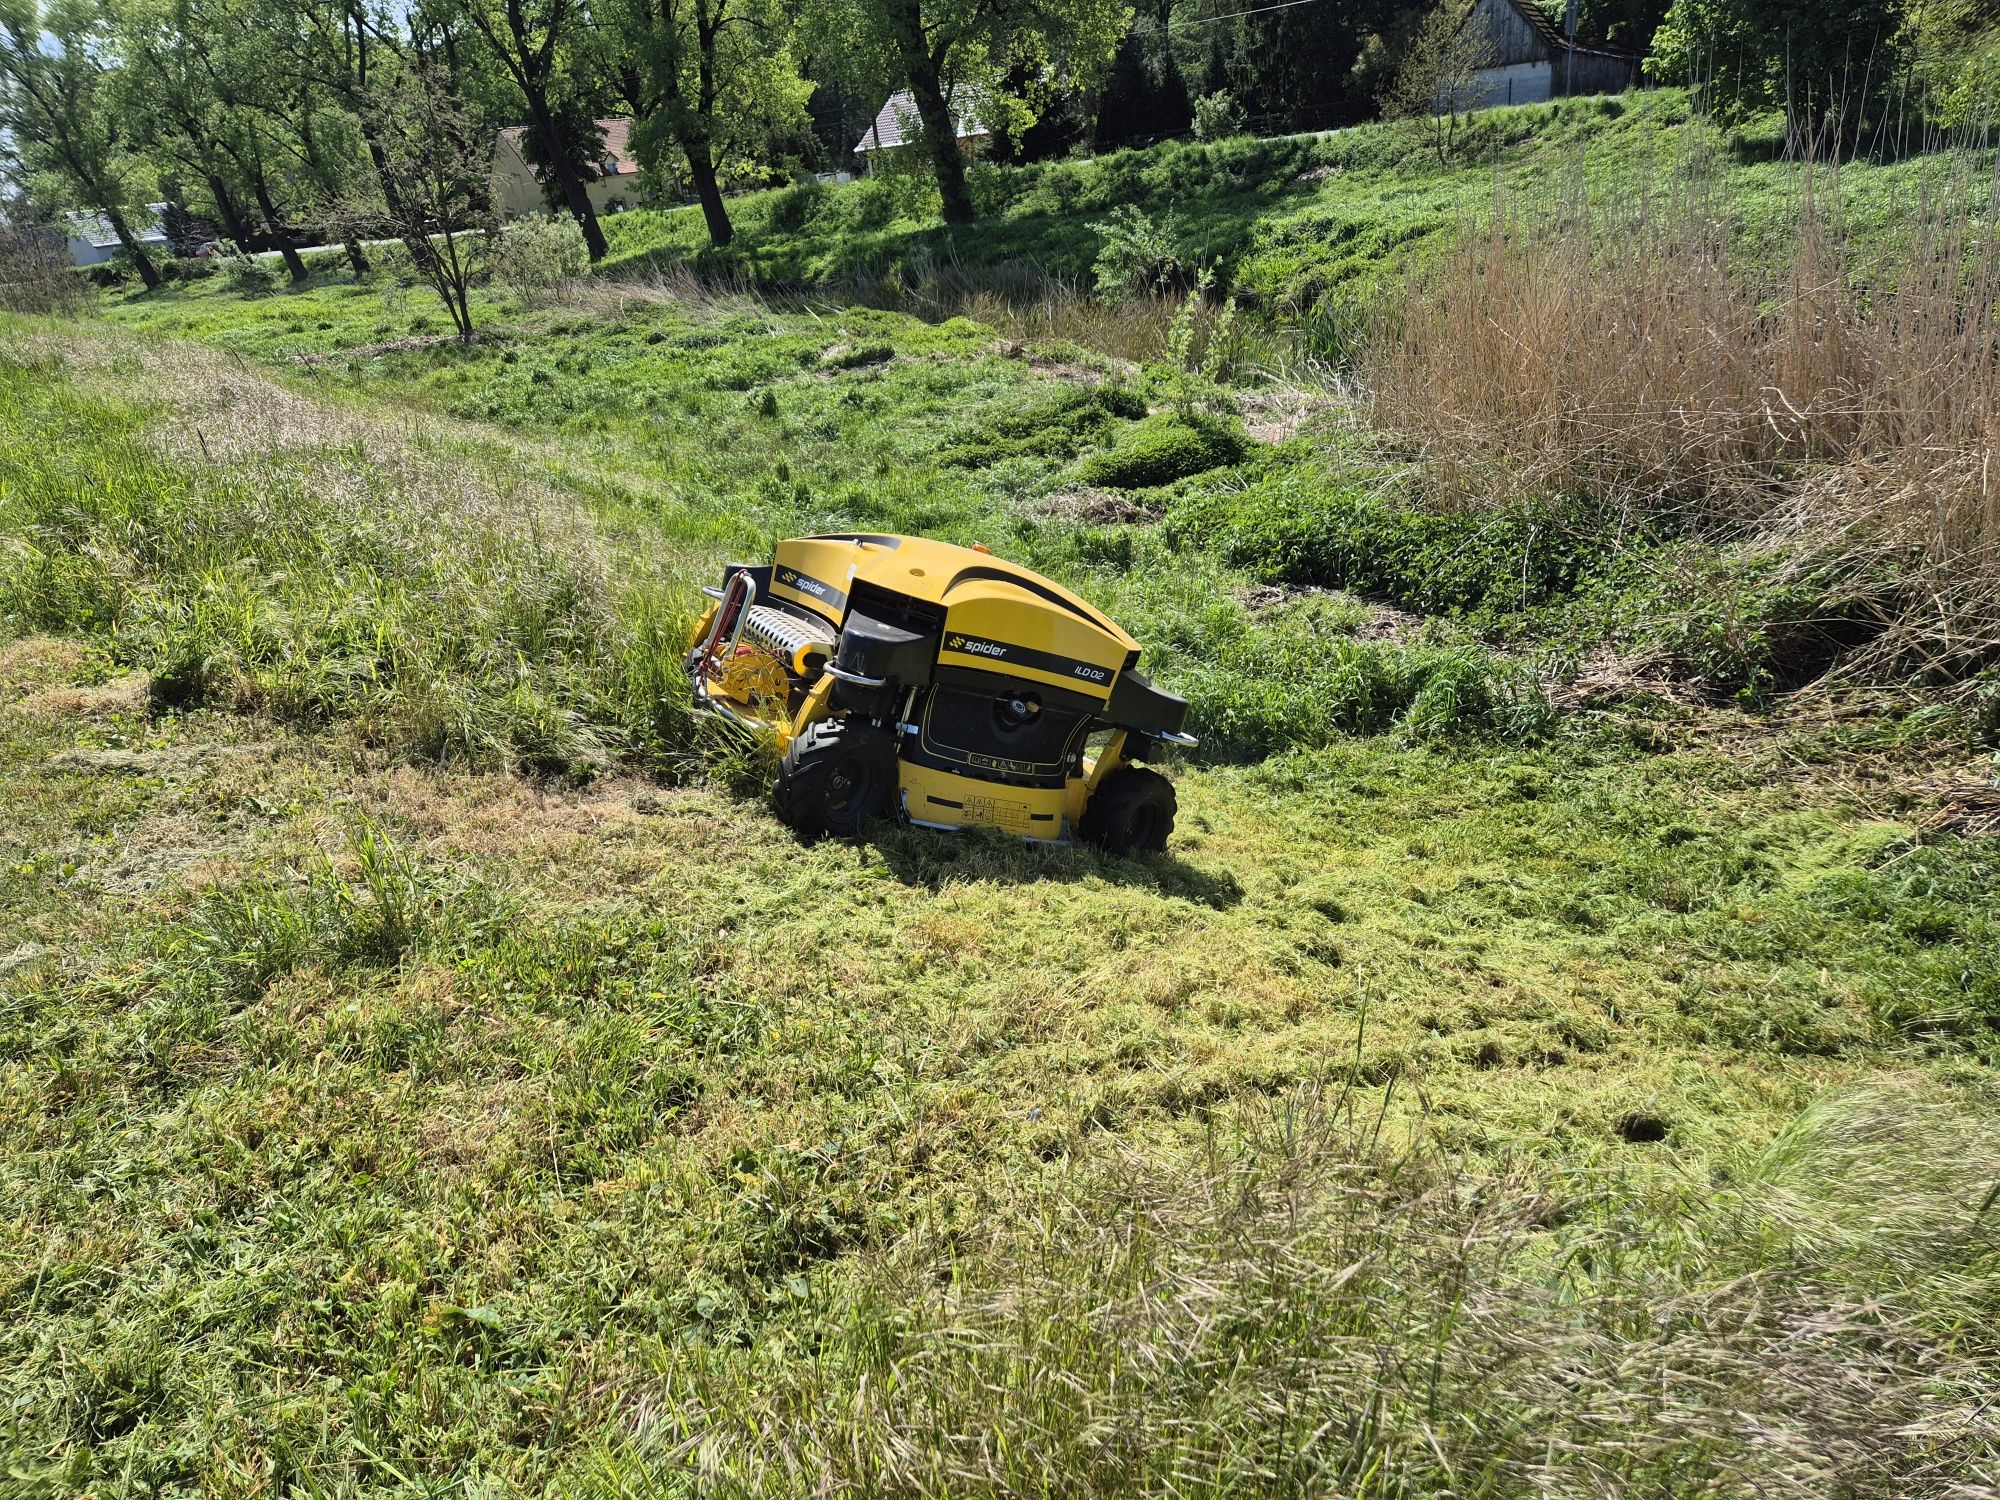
column 1132, row 810
column 837, row 777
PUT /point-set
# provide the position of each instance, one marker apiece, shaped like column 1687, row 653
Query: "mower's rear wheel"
column 837, row 777
column 1131, row 811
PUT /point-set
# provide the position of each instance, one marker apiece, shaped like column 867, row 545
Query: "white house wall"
column 1517, row 83
column 516, row 193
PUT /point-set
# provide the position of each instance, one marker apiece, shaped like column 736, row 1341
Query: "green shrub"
column 1305, row 525
column 1294, row 684
column 1743, row 623
column 1986, row 709
column 1140, row 255
column 187, row 268
column 867, row 204
column 991, row 188
column 1201, row 351
column 250, row 275
column 1217, row 116
column 791, row 208
column 539, row 253
column 1162, row 449
column 120, row 270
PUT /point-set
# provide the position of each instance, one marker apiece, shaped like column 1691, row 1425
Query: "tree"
column 58, row 78
column 173, row 114
column 1145, row 96
column 1438, row 80
column 708, row 77
column 1626, row 24
column 1290, row 67
column 1824, row 62
column 528, row 36
column 439, row 199
column 1955, row 61
column 936, row 44
column 247, row 106
column 354, row 53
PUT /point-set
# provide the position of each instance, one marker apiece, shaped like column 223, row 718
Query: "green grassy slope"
column 377, row 1122
column 1298, row 225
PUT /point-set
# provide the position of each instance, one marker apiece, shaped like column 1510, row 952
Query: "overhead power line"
column 1236, row 15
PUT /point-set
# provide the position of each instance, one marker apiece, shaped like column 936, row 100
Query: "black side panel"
column 992, row 684
column 1006, row 736
column 1137, row 705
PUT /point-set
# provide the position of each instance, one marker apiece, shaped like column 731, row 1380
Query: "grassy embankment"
column 1305, row 228
column 414, row 1072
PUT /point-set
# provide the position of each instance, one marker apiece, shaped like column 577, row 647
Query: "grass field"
column 426, row 1067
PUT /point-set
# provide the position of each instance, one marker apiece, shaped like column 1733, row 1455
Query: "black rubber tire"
column 1131, row 812
column 837, row 778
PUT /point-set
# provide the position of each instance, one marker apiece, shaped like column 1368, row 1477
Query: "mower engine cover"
column 941, row 684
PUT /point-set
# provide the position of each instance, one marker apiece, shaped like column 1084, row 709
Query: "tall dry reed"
column 1652, row 355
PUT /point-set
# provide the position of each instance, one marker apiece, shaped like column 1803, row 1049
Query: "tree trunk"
column 572, row 185
column 941, row 140
column 148, row 272
column 233, row 222
column 279, row 233
column 355, row 257
column 422, row 253
column 701, row 167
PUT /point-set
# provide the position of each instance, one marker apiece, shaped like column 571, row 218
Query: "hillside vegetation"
column 1548, row 1061
column 1304, row 226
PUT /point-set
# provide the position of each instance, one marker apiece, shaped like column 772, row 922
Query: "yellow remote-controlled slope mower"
column 910, row 678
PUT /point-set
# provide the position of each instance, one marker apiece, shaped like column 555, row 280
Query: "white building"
column 897, row 125
column 1534, row 60
column 92, row 240
column 517, row 191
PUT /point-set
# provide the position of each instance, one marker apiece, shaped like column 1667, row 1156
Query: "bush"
column 535, row 255
column 1748, row 622
column 249, row 275
column 991, row 188
column 868, row 204
column 1162, row 449
column 188, row 268
column 1140, row 255
column 1986, row 710
column 791, row 208
column 35, row 273
column 1291, row 683
column 120, row 270
column 1217, row 116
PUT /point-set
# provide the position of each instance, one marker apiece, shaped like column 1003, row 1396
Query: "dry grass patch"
column 1842, row 403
